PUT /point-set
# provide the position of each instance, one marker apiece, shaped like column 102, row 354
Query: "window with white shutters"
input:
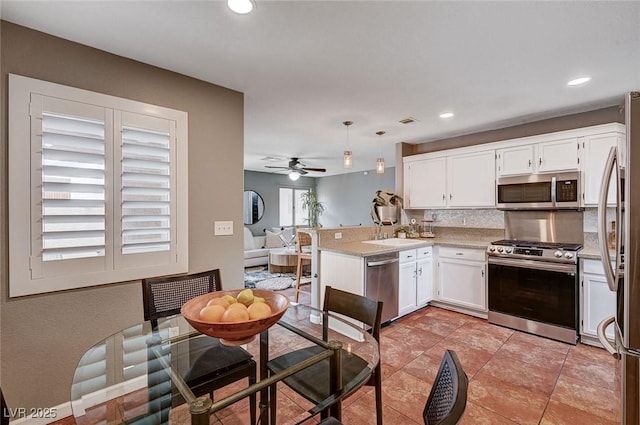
column 95, row 182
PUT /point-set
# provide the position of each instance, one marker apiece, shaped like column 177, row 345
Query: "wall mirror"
column 253, row 207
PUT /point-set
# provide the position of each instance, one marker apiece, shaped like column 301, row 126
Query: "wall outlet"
column 338, row 235
column 222, row 228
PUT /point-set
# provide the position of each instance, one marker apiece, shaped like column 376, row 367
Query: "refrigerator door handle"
column 602, row 326
column 602, row 220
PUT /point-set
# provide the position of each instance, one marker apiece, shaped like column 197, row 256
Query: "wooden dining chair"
column 208, row 365
column 313, row 382
column 448, row 397
column 304, row 257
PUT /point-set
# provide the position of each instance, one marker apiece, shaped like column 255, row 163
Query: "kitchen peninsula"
column 426, row 267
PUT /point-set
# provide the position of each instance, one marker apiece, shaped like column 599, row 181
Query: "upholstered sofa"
column 256, row 248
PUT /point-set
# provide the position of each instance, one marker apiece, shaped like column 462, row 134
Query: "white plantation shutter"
column 69, row 200
column 94, row 185
column 73, row 187
column 146, row 197
column 147, row 189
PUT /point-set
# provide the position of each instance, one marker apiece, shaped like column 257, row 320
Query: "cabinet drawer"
column 425, row 252
column 463, row 253
column 408, row 255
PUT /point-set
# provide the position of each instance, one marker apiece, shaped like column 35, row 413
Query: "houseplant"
column 384, row 208
column 313, row 207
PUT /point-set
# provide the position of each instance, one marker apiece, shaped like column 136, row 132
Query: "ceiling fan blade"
column 319, row 170
column 273, row 166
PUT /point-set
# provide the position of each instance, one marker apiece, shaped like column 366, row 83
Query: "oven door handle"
column 534, row 265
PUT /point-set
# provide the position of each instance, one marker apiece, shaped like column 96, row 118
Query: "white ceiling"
column 306, row 66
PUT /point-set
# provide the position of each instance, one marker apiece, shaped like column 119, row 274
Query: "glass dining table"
column 133, row 376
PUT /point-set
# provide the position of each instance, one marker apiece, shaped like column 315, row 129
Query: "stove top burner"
column 540, row 245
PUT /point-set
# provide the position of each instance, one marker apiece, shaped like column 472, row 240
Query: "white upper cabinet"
column 471, row 180
column 464, row 180
column 595, row 153
column 425, row 183
column 557, row 155
column 515, row 161
column 466, row 177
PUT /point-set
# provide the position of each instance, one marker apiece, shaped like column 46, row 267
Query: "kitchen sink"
column 395, row 242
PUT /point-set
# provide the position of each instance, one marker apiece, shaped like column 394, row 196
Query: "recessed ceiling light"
column 579, row 81
column 446, row 115
column 241, row 7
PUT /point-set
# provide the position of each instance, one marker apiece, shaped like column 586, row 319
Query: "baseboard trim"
column 91, row 399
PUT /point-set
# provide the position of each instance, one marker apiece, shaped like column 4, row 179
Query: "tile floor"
column 514, row 378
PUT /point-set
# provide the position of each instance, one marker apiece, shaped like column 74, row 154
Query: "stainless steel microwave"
column 539, row 192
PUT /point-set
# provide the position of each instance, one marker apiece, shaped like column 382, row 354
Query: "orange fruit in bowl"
column 234, row 315
column 239, row 306
column 259, row 310
column 212, row 313
column 219, row 301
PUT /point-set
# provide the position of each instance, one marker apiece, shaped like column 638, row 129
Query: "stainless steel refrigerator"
column 623, row 167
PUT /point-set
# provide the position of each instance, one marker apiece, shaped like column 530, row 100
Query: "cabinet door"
column 472, row 180
column 462, row 283
column 424, row 281
column 407, row 288
column 425, row 183
column 596, row 151
column 515, row 161
column 598, row 303
column 557, row 155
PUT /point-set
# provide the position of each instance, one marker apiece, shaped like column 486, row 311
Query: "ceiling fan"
column 297, row 169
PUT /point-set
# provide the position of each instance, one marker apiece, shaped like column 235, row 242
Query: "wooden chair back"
column 304, row 239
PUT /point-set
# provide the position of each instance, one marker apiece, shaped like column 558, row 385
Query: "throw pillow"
column 249, row 243
column 274, row 240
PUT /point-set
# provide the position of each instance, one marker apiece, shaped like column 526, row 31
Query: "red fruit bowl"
column 234, row 333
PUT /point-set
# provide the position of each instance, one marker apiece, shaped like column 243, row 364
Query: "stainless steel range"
column 533, row 273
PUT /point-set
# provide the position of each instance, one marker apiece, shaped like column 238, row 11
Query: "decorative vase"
column 387, row 214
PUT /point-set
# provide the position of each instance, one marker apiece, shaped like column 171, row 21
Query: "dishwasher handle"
column 382, row 262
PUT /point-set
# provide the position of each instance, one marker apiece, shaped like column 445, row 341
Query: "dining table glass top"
column 117, row 380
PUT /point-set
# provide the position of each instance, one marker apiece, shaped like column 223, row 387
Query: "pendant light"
column 380, row 160
column 347, row 159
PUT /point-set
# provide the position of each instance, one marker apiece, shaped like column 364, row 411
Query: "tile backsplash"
column 490, row 218
column 475, row 219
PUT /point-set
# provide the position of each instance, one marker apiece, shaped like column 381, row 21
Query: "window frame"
column 25, row 229
column 294, row 215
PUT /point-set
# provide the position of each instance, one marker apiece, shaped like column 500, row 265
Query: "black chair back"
column 354, row 306
column 448, row 397
column 164, row 296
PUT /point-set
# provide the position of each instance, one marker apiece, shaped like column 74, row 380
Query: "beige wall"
column 43, row 337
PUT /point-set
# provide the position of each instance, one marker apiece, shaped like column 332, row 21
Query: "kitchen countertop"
column 367, row 249
column 590, row 249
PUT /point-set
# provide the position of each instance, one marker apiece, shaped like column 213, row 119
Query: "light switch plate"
column 338, row 235
column 223, row 228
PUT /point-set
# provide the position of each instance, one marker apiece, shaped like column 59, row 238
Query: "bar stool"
column 304, row 240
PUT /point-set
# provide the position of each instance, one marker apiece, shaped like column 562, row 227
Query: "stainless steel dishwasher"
column 381, row 282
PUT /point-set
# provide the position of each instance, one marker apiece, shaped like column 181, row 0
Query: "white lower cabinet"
column 462, row 277
column 598, row 302
column 415, row 279
column 424, row 276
